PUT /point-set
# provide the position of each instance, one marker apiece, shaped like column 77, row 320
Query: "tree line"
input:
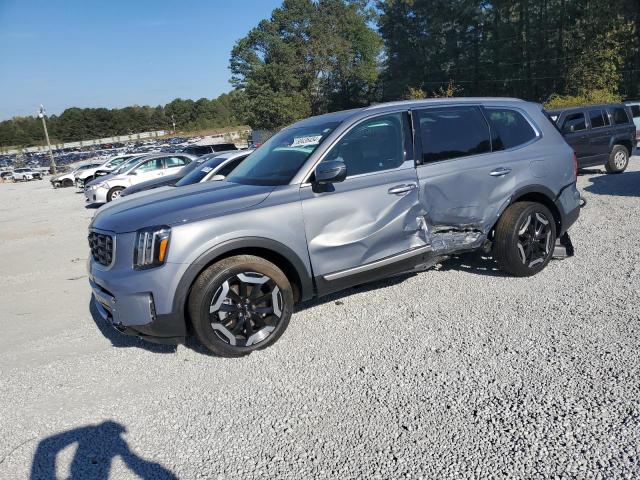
column 316, row 56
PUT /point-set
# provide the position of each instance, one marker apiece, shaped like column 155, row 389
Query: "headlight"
column 151, row 248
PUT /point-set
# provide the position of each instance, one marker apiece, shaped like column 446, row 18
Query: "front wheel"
column 67, row 182
column 239, row 305
column 618, row 160
column 524, row 239
column 114, row 193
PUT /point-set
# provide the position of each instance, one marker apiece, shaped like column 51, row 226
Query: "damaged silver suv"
column 330, row 202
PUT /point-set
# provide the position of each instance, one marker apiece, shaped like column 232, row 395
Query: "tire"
column 518, row 247
column 114, row 193
column 221, row 285
column 618, row 160
column 67, row 182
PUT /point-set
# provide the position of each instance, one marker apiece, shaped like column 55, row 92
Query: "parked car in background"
column 331, row 202
column 202, row 169
column 199, row 150
column 599, row 134
column 6, row 175
column 22, row 174
column 151, row 166
column 634, row 106
column 86, row 175
column 68, row 179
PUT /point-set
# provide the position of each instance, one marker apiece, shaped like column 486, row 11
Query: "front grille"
column 101, row 246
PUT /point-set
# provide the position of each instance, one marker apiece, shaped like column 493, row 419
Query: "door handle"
column 500, row 172
column 400, row 189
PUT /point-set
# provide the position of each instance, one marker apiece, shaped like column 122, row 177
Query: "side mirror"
column 218, row 178
column 133, row 173
column 331, row 171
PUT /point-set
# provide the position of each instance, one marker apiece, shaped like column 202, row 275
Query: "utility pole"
column 41, row 114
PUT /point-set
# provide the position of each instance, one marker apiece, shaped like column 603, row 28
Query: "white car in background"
column 24, row 174
column 85, row 176
column 146, row 168
column 68, row 179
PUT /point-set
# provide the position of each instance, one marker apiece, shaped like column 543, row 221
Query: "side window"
column 226, row 170
column 597, row 118
column 155, row 164
column 176, row 162
column 619, row 116
column 574, row 122
column 452, row 132
column 509, row 129
column 371, row 146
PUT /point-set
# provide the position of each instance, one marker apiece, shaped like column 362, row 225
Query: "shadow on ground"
column 97, row 446
column 120, row 340
column 625, row 184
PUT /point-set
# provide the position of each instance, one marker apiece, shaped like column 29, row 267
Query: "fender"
column 541, row 190
column 205, row 259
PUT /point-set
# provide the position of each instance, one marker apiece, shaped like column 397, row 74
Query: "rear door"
column 599, row 133
column 574, row 129
column 462, row 184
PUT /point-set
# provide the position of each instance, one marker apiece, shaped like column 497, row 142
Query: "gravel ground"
column 459, row 372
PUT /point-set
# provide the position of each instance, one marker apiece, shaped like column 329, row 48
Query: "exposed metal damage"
column 447, row 238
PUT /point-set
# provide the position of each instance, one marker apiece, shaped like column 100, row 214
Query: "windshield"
column 127, row 165
column 280, row 158
column 197, row 174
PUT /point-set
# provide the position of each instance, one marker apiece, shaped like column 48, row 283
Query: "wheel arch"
column 539, row 194
column 625, row 142
column 277, row 253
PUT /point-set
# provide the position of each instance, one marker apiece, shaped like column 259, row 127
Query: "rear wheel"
column 524, row 239
column 114, row 193
column 239, row 305
column 618, row 160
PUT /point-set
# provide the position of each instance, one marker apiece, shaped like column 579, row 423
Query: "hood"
column 99, row 179
column 168, row 180
column 172, row 206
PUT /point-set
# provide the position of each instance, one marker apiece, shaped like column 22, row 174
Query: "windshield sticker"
column 303, row 141
column 206, row 169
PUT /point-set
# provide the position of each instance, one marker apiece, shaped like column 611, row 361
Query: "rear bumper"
column 568, row 204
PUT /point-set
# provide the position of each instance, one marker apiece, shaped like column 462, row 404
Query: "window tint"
column 598, row 118
column 575, row 120
column 175, row 162
column 226, row 170
column 452, row 133
column 154, row 164
column 635, row 111
column 619, row 116
column 509, row 129
column 372, row 146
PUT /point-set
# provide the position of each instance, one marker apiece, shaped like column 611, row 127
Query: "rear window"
column 453, row 132
column 197, row 150
column 574, row 122
column 509, row 128
column 635, row 111
column 221, row 147
column 619, row 116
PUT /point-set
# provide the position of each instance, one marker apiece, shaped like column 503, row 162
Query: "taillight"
column 638, row 134
column 575, row 166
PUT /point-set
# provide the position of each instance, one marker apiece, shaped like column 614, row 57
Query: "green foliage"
column 589, row 97
column 523, row 48
column 88, row 123
column 310, row 57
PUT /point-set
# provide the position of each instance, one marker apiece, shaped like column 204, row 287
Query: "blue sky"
column 91, row 53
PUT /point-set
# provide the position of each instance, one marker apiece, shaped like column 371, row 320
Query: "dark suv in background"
column 599, row 134
column 199, row 150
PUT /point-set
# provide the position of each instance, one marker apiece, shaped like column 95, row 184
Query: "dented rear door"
column 462, row 184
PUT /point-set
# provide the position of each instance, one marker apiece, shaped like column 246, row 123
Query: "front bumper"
column 96, row 195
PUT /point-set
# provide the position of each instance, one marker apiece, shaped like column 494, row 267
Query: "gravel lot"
column 458, row 372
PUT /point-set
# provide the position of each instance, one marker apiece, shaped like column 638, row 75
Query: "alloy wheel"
column 620, row 160
column 115, row 195
column 534, row 238
column 246, row 309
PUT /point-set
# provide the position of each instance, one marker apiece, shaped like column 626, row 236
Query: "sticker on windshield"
column 206, row 169
column 303, row 141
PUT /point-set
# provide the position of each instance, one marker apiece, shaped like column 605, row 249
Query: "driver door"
column 148, row 170
column 356, row 227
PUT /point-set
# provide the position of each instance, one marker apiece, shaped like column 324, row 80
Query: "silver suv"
column 331, row 202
